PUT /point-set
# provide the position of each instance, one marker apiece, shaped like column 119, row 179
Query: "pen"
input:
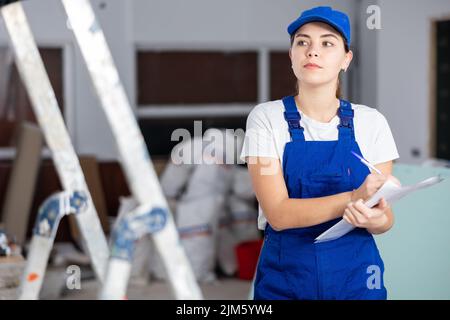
column 367, row 163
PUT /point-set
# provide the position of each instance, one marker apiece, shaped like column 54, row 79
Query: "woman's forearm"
column 299, row 213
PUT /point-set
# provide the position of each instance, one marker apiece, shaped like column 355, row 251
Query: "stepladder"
column 50, row 119
column 153, row 215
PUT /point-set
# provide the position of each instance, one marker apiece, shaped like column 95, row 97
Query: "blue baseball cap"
column 337, row 19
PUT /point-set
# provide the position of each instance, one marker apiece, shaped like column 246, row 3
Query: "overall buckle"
column 294, row 124
column 346, row 116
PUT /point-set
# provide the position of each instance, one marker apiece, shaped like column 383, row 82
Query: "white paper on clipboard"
column 390, row 191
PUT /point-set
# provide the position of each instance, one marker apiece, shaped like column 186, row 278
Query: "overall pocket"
column 324, row 183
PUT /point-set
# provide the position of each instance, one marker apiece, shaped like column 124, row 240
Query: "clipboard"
column 390, row 191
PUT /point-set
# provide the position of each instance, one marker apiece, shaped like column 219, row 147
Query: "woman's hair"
column 338, row 89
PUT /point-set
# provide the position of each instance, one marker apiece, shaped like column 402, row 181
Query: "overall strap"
column 346, row 114
column 292, row 117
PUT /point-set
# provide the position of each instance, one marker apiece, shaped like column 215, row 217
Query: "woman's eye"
column 301, row 43
column 328, row 44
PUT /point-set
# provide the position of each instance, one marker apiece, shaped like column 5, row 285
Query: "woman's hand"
column 370, row 186
column 361, row 216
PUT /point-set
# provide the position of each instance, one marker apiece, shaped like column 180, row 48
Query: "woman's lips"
column 312, row 66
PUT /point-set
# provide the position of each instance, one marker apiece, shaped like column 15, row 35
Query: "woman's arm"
column 284, row 213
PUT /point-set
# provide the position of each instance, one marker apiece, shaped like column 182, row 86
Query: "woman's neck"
column 318, row 103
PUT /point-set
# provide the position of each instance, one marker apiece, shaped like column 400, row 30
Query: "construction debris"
column 12, row 265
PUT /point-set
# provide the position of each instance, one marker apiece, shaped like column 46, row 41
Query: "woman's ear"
column 348, row 60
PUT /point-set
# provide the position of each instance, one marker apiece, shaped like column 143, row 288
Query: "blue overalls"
column 291, row 265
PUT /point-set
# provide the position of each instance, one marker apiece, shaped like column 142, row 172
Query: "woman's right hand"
column 370, row 186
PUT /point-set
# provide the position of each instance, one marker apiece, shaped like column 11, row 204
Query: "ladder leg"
column 130, row 228
column 49, row 216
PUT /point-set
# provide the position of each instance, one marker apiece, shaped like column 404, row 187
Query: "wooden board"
column 22, row 182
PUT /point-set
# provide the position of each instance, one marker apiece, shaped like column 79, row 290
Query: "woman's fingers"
column 362, row 209
column 359, row 216
column 374, row 183
column 370, row 213
column 382, row 204
column 349, row 218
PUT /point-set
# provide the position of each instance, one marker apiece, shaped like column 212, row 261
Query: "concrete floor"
column 55, row 285
column 221, row 289
column 54, row 288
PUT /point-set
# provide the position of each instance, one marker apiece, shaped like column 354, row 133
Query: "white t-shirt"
column 267, row 133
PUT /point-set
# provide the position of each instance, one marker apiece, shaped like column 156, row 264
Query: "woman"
column 306, row 179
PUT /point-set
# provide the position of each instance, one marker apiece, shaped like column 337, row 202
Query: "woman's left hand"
column 361, row 216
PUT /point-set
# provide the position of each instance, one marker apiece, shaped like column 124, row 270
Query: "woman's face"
column 320, row 44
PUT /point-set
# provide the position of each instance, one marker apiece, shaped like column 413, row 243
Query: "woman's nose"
column 312, row 51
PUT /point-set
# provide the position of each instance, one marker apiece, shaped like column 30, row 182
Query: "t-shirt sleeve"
column 259, row 140
column 384, row 148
